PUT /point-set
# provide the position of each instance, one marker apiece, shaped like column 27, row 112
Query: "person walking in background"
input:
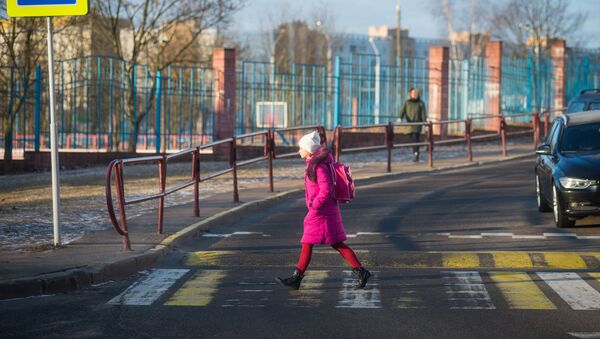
column 414, row 110
column 323, row 222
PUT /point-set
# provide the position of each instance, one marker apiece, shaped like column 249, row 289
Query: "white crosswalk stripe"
column 572, row 289
column 466, row 290
column 149, row 288
column 369, row 297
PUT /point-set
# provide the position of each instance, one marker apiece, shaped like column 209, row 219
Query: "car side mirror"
column 543, row 150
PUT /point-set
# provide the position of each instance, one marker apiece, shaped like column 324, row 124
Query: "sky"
column 355, row 16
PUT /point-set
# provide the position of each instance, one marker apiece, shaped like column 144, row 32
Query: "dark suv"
column 567, row 171
column 588, row 100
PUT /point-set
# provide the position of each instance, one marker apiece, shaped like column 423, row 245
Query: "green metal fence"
column 467, row 93
column 582, row 72
column 108, row 104
column 372, row 93
column 527, row 84
column 269, row 98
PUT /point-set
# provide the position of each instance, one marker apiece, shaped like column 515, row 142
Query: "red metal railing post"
column 468, row 124
column 162, row 183
column 536, row 129
column 233, row 164
column 196, row 177
column 121, row 200
column 338, row 143
column 503, row 135
column 430, row 139
column 269, row 141
column 389, row 142
column 546, row 123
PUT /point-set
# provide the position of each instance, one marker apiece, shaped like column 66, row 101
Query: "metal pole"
column 377, row 75
column 53, row 145
column 503, row 135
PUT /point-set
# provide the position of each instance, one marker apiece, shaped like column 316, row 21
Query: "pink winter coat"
column 323, row 222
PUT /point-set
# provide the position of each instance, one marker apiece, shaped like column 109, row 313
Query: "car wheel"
column 560, row 218
column 542, row 205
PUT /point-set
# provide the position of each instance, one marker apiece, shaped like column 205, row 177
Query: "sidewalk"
column 97, row 256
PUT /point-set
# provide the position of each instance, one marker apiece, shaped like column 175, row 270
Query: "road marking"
column 564, row 260
column 567, row 235
column 472, row 236
column 572, row 289
column 520, row 291
column 227, row 235
column 198, row 291
column 311, row 289
column 544, row 236
column 512, row 260
column 466, row 290
column 497, row 234
column 585, row 335
column 369, row 297
column 148, row 289
column 595, row 275
column 208, row 258
column 528, row 236
column 460, row 260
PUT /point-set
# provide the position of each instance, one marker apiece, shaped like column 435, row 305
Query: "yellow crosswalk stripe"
column 207, row 258
column 310, row 293
column 564, row 260
column 460, row 260
column 595, row 275
column 512, row 260
column 520, row 291
column 199, row 290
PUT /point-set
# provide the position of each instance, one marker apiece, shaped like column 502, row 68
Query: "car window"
column 594, row 106
column 551, row 133
column 555, row 135
column 581, row 138
column 576, row 106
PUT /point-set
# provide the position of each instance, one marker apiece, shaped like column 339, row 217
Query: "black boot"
column 293, row 281
column 363, row 276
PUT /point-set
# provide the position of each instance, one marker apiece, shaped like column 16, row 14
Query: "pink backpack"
column 343, row 184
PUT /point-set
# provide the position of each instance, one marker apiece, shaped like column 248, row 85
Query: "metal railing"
column 269, row 142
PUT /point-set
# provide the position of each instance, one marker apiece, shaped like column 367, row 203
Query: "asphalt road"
column 459, row 254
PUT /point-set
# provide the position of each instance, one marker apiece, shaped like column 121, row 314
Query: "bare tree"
column 468, row 25
column 159, row 33
column 531, row 25
column 22, row 43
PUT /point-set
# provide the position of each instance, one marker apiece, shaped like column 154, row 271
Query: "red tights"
column 341, row 247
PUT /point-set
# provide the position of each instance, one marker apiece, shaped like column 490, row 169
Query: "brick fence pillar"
column 439, row 57
column 224, row 92
column 493, row 84
column 557, row 53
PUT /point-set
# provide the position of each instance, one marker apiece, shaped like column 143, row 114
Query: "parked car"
column 567, row 171
column 588, row 100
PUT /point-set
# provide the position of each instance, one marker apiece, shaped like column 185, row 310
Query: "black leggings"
column 417, row 139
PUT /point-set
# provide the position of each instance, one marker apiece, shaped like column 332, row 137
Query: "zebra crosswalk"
column 455, row 289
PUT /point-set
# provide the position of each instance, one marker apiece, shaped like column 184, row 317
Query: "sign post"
column 49, row 9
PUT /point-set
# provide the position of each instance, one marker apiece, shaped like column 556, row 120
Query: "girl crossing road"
column 323, row 222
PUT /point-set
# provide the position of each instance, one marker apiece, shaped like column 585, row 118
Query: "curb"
column 74, row 279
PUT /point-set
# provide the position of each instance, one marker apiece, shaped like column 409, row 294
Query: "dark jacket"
column 414, row 111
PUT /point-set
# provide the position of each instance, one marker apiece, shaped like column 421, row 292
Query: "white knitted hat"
column 310, row 142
